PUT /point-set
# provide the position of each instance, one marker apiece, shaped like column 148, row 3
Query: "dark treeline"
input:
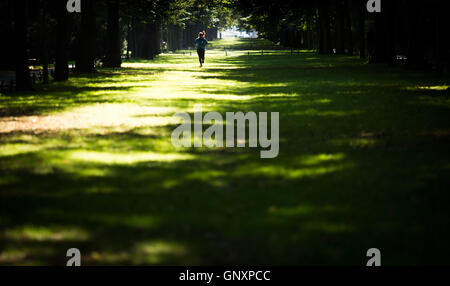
column 44, row 33
column 415, row 31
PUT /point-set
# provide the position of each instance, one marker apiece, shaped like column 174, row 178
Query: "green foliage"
column 269, row 17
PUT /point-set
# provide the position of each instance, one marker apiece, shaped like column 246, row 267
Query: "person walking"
column 201, row 43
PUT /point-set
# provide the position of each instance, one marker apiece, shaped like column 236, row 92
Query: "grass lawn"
column 364, row 162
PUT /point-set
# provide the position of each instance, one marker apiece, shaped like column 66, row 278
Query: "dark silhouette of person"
column 201, row 43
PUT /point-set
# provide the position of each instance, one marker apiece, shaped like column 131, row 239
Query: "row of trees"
column 105, row 31
column 417, row 31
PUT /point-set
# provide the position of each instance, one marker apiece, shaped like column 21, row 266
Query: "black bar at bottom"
column 225, row 275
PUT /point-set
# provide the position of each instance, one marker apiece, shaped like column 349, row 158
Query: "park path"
column 152, row 90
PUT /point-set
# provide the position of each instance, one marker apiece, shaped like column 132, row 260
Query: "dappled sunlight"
column 127, row 158
column 299, row 167
column 189, row 92
column 13, row 256
column 213, row 177
column 50, row 233
column 108, row 257
column 152, row 252
column 143, row 253
column 88, row 171
column 155, row 252
column 18, row 148
column 98, row 115
column 89, row 163
column 435, row 87
column 323, row 101
column 311, row 160
column 291, row 173
column 29, row 255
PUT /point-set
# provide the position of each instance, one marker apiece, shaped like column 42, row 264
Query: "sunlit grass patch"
column 431, row 87
column 48, row 233
column 321, row 158
column 142, row 253
column 155, row 252
column 19, row 148
column 292, row 172
column 128, row 158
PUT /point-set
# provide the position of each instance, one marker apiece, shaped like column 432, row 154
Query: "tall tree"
column 348, row 27
column 44, row 32
column 362, row 28
column 441, row 38
column 7, row 61
column 379, row 54
column 23, row 79
column 325, row 46
column 87, row 38
column 63, row 33
column 114, row 46
column 391, row 8
column 340, row 27
column 416, row 41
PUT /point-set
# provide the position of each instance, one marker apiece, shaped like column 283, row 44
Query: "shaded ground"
column 364, row 162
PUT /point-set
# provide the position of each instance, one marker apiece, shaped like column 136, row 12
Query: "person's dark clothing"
column 201, row 47
column 201, row 56
column 201, row 43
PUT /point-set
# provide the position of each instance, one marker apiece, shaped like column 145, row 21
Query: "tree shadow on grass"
column 224, row 206
column 359, row 167
column 81, row 90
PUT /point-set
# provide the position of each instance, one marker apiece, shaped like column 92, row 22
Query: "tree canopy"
column 108, row 30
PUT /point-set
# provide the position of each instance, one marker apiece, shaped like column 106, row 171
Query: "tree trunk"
column 390, row 9
column 173, row 38
column 348, row 28
column 156, row 41
column 380, row 54
column 23, row 79
column 44, row 32
column 416, row 45
column 324, row 29
column 134, row 53
column 62, row 42
column 114, row 47
column 129, row 39
column 7, row 61
column 298, row 39
column 150, row 41
column 86, row 52
column 442, row 42
column 362, row 27
column 340, row 28
column 144, row 45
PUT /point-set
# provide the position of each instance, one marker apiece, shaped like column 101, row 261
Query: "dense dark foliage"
column 418, row 31
column 45, row 33
column 106, row 31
